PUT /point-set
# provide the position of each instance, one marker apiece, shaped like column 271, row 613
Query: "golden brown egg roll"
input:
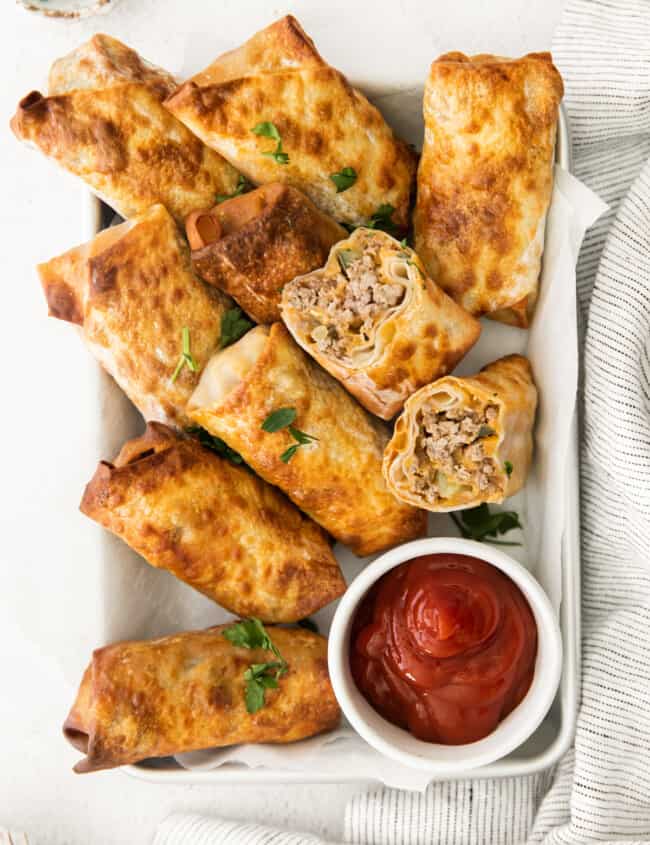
column 336, row 477
column 324, row 124
column 185, row 692
column 252, row 245
column 374, row 320
column 463, row 441
column 133, row 291
column 127, row 148
column 216, row 526
column 104, row 61
column 485, row 179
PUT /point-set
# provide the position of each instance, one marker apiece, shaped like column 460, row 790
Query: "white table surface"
column 47, row 450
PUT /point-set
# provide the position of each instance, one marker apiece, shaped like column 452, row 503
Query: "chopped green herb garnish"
column 344, row 179
column 403, row 243
column 243, row 185
column 186, row 358
column 279, row 419
column 508, row 468
column 486, row 431
column 480, row 524
column 302, row 438
column 381, row 219
column 308, row 624
column 269, row 130
column 215, row 444
column 234, row 324
column 251, row 633
column 286, row 456
column 283, row 418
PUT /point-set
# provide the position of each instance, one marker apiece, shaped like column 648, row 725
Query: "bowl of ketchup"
column 445, row 654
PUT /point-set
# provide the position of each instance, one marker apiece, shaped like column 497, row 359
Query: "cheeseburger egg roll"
column 374, row 320
column 140, row 306
column 250, row 246
column 280, row 113
column 298, row 429
column 463, row 441
column 187, row 692
column 214, row 525
column 485, row 179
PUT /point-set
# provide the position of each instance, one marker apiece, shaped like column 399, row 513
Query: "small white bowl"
column 398, row 744
column 68, row 9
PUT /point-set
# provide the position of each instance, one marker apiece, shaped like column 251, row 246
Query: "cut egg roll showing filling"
column 299, row 430
column 464, row 441
column 374, row 320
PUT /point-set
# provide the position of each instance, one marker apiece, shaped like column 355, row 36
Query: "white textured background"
column 49, row 602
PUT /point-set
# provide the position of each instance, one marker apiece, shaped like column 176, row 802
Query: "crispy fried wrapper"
column 216, row 526
column 485, row 179
column 132, row 290
column 336, row 476
column 185, row 692
column 126, row 146
column 374, row 320
column 104, row 61
column 325, row 125
column 252, row 245
column 463, row 441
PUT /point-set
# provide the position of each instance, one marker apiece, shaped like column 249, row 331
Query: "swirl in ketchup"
column 444, row 646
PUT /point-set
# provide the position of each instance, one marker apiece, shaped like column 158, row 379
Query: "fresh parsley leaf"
column 186, row 359
column 481, row 524
column 254, row 695
column 248, row 633
column 267, row 130
column 234, row 324
column 381, row 219
column 251, row 633
column 215, row 444
column 486, row 431
column 345, row 257
column 344, row 179
column 302, row 438
column 279, row 419
column 283, row 418
column 278, row 155
column 308, row 624
column 508, row 468
column 286, row 456
column 243, row 185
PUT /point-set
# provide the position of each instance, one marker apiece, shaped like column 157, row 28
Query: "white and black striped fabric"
column 601, row 790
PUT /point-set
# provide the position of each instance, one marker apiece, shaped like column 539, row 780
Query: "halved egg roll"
column 485, row 179
column 252, row 245
column 104, row 61
column 186, row 692
column 328, row 462
column 216, row 526
column 139, row 303
column 374, row 320
column 463, row 441
column 310, row 123
column 127, row 147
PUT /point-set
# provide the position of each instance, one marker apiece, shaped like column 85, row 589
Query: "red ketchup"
column 444, row 646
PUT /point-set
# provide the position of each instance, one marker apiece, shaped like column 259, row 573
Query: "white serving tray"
column 126, row 578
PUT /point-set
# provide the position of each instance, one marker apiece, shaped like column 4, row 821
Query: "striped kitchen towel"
column 601, row 790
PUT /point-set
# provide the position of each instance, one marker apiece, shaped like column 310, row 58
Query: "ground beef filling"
column 347, row 307
column 450, row 444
